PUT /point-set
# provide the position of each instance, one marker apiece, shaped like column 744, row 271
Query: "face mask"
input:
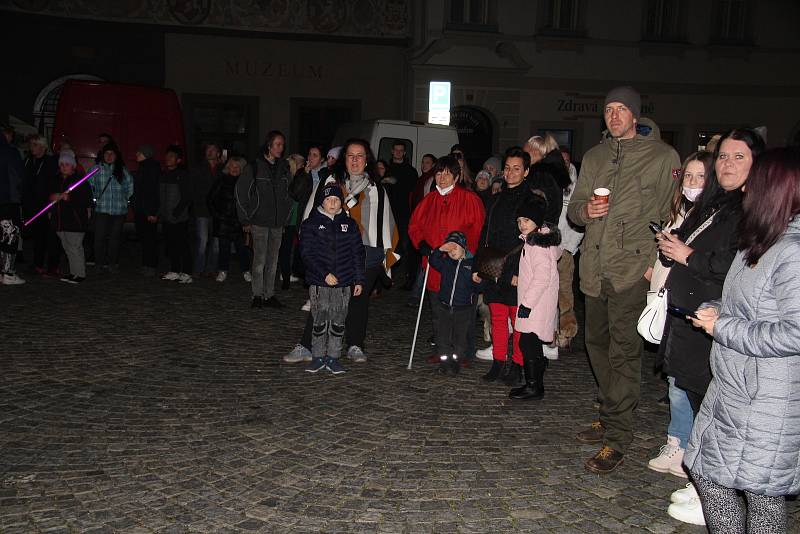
column 691, row 193
column 445, row 190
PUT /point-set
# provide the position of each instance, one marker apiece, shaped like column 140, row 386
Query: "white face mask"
column 691, row 193
column 445, row 190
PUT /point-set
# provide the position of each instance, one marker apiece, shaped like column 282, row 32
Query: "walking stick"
column 419, row 314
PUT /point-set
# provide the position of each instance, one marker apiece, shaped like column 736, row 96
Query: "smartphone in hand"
column 683, row 312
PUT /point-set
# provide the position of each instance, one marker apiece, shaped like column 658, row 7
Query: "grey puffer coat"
column 747, row 434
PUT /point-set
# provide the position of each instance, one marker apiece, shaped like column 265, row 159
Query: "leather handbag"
column 489, row 261
column 654, row 316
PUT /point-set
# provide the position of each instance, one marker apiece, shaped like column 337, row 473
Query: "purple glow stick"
column 53, row 203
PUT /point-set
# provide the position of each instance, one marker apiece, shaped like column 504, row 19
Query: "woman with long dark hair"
column 746, row 437
column 112, row 187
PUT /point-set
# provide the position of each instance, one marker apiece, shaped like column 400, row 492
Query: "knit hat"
column 533, row 208
column 334, row 152
column 627, row 95
column 331, row 190
column 67, row 156
column 146, row 150
column 458, row 238
column 495, row 162
column 484, row 174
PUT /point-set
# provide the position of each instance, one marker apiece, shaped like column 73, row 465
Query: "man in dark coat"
column 405, row 177
column 145, row 205
column 202, row 176
column 40, row 167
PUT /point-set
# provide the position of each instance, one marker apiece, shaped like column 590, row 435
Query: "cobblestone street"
column 135, row 405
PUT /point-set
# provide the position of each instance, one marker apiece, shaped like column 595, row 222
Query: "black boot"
column 512, row 375
column 533, row 389
column 494, row 372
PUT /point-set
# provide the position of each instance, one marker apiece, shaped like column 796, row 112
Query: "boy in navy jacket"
column 458, row 293
column 334, row 256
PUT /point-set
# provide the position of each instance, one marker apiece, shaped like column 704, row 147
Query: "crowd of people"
column 499, row 245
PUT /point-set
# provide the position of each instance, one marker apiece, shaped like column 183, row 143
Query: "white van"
column 420, row 138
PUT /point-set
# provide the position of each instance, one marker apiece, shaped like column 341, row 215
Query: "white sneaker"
column 669, row 459
column 221, row 276
column 689, row 512
column 485, row 354
column 684, row 494
column 294, row 279
column 298, row 354
column 356, row 354
column 172, row 275
column 184, row 278
column 551, row 353
column 306, row 306
column 11, row 280
column 247, row 277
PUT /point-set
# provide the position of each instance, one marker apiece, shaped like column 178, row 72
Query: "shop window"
column 478, row 15
column 663, row 20
column 561, row 17
column 731, row 21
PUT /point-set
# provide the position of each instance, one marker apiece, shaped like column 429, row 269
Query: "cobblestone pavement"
column 140, row 406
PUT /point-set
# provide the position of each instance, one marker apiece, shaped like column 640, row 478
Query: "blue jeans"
column 202, row 228
column 681, row 416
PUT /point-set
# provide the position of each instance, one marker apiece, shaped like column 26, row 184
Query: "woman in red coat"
column 448, row 208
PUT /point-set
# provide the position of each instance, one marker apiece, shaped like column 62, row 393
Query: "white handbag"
column 654, row 316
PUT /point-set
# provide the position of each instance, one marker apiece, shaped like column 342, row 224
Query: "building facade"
column 517, row 67
column 520, row 67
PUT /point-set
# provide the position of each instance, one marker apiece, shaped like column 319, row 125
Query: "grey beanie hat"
column 147, row 151
column 627, row 95
column 495, row 162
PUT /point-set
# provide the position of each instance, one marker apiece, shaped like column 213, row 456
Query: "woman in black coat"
column 697, row 276
column 500, row 231
column 226, row 225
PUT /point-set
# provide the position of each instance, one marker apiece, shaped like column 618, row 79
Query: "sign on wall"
column 439, row 103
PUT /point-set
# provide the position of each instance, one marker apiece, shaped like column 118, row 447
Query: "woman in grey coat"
column 747, row 434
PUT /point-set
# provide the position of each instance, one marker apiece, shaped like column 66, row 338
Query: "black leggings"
column 531, row 346
column 725, row 514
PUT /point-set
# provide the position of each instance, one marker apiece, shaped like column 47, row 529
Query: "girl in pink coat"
column 537, row 294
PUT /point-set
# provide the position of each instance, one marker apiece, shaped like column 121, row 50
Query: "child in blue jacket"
column 458, row 294
column 334, row 257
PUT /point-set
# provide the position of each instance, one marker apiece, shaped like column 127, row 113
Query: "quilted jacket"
column 747, row 434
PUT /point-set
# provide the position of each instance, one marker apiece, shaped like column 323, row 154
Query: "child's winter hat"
column 331, row 190
column 458, row 238
column 533, row 208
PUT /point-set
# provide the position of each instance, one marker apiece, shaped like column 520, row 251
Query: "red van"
column 133, row 114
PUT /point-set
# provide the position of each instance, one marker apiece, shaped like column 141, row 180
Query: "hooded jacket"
column 619, row 247
column 262, row 193
column 747, row 434
column 456, row 288
column 175, row 196
column 551, row 177
column 537, row 287
column 332, row 246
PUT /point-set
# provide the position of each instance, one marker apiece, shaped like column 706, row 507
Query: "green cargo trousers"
column 615, row 352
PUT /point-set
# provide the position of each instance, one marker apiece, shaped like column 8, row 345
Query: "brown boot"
column 605, row 461
column 593, row 434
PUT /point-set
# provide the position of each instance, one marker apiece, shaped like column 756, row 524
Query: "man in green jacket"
column 617, row 256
